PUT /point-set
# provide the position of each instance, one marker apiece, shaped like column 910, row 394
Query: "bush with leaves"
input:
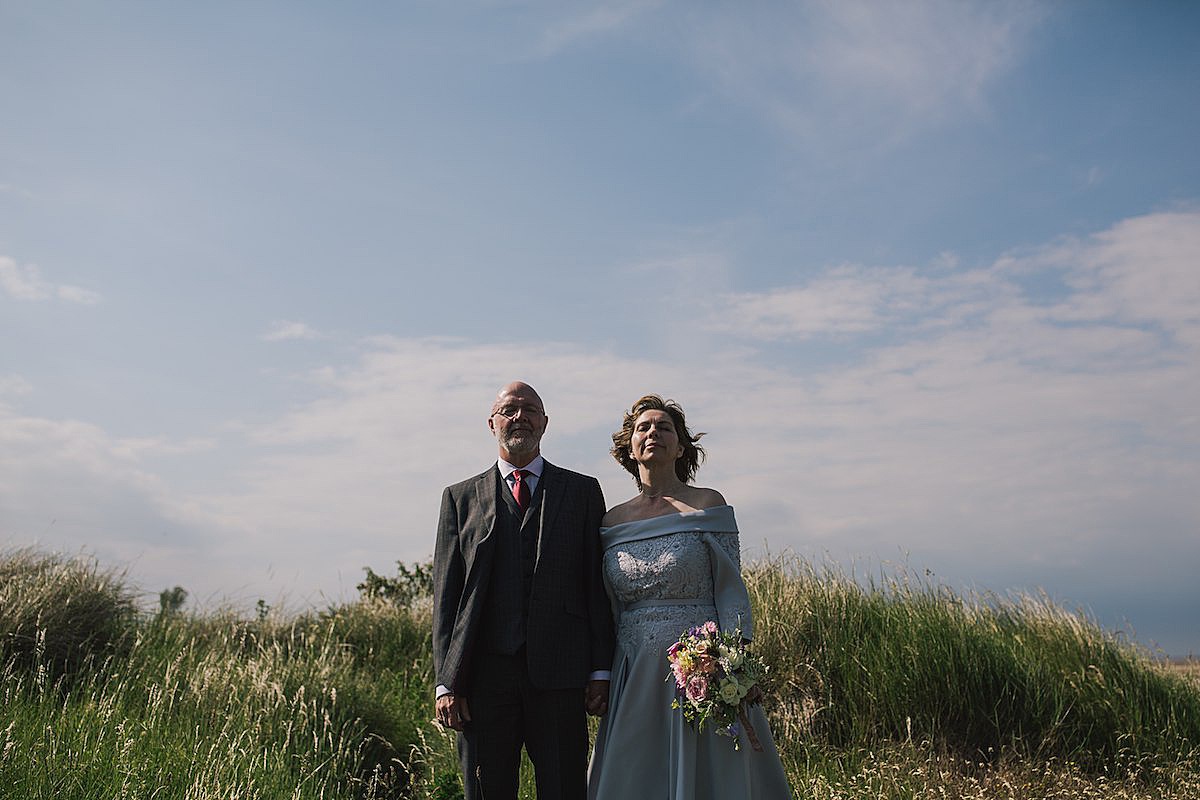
column 410, row 585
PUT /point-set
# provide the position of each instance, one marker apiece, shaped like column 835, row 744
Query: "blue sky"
column 926, row 273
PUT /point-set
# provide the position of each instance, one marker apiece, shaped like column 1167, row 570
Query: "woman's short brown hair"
column 685, row 466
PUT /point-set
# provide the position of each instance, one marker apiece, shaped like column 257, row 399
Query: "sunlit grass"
column 898, row 687
column 58, row 614
column 194, row 710
column 890, row 689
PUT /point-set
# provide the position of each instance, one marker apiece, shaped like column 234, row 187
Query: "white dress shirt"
column 533, row 473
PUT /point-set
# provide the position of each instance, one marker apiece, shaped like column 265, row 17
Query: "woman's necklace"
column 655, row 495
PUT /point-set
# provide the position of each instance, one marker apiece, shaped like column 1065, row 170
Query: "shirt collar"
column 534, row 466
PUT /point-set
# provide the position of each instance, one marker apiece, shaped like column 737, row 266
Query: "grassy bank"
column 901, row 688
column 896, row 690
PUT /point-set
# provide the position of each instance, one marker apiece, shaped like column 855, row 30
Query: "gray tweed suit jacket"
column 569, row 628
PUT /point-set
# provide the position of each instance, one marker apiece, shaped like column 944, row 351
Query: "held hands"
column 595, row 698
column 452, row 711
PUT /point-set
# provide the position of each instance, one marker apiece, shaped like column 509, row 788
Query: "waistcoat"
column 506, row 609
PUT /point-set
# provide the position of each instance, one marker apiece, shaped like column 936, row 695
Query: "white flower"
column 733, row 657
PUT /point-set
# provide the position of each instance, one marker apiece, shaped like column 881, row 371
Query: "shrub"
column 411, row 584
column 170, row 601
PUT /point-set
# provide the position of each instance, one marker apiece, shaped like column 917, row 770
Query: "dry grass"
column 1187, row 667
column 917, row 772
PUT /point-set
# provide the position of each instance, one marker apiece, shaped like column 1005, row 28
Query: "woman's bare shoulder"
column 618, row 514
column 701, row 498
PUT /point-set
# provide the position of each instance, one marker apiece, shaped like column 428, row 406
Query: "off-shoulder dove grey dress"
column 665, row 575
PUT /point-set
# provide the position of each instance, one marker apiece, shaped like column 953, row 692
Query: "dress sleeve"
column 731, row 544
column 729, row 591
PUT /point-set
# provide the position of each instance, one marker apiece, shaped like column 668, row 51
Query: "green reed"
column 902, row 660
column 894, row 688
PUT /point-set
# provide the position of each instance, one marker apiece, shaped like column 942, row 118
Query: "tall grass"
column 61, row 613
column 321, row 705
column 895, row 689
column 901, row 660
column 195, row 709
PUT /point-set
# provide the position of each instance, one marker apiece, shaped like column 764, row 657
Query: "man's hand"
column 595, row 698
column 453, row 711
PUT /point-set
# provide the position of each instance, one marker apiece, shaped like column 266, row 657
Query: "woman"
column 671, row 562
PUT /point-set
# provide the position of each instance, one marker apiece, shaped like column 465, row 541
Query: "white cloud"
column 1125, row 286
column 836, row 303
column 922, row 55
column 13, row 189
column 67, row 485
column 1046, row 419
column 14, row 385
column 973, row 430
column 862, row 74
column 842, row 78
column 77, row 294
column 593, row 19
column 993, row 436
column 22, row 283
column 285, row 331
column 850, row 299
column 1142, row 271
column 26, row 283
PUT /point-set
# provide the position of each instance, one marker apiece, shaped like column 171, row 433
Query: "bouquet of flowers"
column 713, row 674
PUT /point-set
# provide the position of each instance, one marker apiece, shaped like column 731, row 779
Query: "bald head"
column 518, row 421
column 516, row 389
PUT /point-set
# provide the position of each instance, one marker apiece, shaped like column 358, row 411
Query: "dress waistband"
column 669, row 601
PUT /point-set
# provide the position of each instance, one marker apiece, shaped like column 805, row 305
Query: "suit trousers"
column 507, row 711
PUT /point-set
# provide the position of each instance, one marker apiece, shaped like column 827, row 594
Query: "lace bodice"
column 674, row 566
column 654, row 578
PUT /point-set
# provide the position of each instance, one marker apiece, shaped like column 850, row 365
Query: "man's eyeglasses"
column 511, row 412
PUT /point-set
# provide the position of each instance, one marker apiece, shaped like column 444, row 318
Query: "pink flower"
column 711, row 628
column 681, row 678
column 697, row 688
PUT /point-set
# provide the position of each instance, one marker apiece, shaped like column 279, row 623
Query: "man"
column 522, row 629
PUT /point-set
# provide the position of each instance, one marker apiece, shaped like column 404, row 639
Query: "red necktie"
column 520, row 489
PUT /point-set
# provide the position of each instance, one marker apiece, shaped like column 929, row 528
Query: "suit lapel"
column 551, row 486
column 485, row 489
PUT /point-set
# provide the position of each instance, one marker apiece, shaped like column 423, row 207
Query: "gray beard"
column 521, row 444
